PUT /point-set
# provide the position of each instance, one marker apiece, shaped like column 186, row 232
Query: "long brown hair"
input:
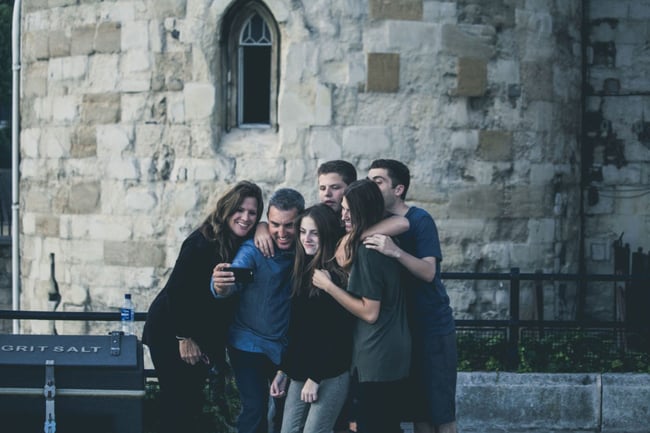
column 215, row 227
column 366, row 209
column 329, row 229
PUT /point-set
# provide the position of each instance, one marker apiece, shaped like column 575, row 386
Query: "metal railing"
column 511, row 327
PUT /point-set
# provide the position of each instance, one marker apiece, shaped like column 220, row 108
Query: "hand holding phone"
column 242, row 275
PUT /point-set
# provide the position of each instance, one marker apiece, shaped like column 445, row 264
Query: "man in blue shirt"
column 431, row 391
column 258, row 335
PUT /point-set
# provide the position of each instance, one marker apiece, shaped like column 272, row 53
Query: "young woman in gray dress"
column 381, row 341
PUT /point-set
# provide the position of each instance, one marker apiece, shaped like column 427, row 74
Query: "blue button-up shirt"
column 262, row 319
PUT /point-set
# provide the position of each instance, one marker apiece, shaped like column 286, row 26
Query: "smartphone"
column 242, row 275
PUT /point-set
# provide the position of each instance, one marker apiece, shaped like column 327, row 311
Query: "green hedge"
column 571, row 352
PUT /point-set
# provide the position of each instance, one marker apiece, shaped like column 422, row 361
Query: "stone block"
column 84, row 142
column 370, row 141
column 608, row 9
column 83, row 198
column 537, row 80
column 83, row 251
column 529, row 201
column 113, row 140
column 135, row 61
column 640, row 10
column 135, row 36
column 459, row 43
column 35, row 5
column 36, row 198
column 82, row 41
column 109, row 38
column 439, row 11
column 64, row 109
column 396, row 9
column 122, row 169
column 510, row 230
column 103, row 73
column 36, row 46
column 472, row 77
column 405, row 37
column 184, row 200
column 170, row 8
column 35, row 81
column 55, row 142
column 30, row 139
column 383, row 72
column 495, row 145
column 58, row 44
column 61, row 3
column 486, row 201
column 171, row 70
column 141, row 199
column 486, row 402
column 135, row 254
column 324, row 144
column 68, row 68
column 199, row 101
column 100, row 108
column 47, row 225
column 99, row 227
column 267, row 170
column 626, row 403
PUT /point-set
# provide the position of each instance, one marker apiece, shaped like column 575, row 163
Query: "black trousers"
column 378, row 409
column 181, row 388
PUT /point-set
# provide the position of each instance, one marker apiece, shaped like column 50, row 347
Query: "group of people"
column 346, row 318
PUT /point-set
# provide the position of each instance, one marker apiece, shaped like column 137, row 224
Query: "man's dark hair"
column 343, row 168
column 286, row 199
column 398, row 173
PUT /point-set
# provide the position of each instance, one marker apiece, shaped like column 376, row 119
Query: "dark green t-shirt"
column 381, row 351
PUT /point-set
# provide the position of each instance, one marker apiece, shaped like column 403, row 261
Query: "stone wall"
column 123, row 151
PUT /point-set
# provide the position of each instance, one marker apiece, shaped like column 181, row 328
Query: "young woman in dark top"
column 381, row 340
column 186, row 327
column 320, row 332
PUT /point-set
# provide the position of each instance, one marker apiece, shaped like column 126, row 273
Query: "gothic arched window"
column 252, row 84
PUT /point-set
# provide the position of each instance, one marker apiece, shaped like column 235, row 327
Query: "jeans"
column 253, row 373
column 319, row 416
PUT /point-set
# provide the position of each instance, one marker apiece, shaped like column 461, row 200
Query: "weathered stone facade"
column 616, row 148
column 124, row 148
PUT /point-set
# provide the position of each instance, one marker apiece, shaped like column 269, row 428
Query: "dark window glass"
column 257, row 84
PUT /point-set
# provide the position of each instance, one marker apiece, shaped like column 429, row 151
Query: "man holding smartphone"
column 258, row 335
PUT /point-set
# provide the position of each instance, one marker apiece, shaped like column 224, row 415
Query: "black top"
column 320, row 338
column 185, row 307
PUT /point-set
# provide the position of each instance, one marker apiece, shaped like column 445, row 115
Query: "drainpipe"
column 15, row 152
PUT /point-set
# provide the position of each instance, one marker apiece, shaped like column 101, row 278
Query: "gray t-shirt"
column 381, row 351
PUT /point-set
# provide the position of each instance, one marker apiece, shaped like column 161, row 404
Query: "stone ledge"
column 558, row 403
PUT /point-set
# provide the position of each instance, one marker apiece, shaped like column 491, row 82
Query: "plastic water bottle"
column 127, row 315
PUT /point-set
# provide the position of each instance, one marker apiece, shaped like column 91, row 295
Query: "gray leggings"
column 317, row 417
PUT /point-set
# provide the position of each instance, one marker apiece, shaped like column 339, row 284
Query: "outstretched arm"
column 391, row 226
column 364, row 308
column 424, row 268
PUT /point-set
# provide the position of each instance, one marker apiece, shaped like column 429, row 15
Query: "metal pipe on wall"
column 15, row 160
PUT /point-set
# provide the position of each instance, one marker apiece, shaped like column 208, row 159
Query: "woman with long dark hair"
column 320, row 339
column 186, row 326
column 381, row 340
